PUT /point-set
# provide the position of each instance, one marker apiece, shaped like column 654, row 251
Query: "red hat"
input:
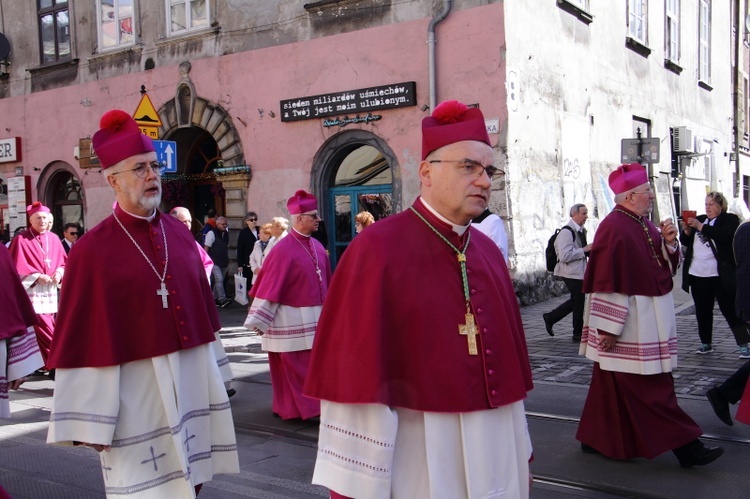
column 118, row 138
column 627, row 177
column 301, row 202
column 452, row 121
column 36, row 207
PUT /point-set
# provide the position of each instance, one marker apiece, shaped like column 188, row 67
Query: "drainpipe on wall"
column 739, row 33
column 431, row 51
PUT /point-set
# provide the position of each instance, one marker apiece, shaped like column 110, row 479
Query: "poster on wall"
column 19, row 197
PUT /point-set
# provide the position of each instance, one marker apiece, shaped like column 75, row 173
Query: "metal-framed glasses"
column 470, row 167
column 315, row 216
column 142, row 168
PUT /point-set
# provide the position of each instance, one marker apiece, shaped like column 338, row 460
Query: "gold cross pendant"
column 470, row 331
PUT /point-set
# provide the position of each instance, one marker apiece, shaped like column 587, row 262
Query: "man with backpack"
column 572, row 250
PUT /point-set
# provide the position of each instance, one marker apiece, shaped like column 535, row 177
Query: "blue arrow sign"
column 166, row 154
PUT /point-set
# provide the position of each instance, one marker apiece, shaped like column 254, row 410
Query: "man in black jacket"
column 731, row 390
column 217, row 247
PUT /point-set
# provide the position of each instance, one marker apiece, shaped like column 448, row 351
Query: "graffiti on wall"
column 576, row 164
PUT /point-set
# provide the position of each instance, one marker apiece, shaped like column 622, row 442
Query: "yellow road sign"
column 145, row 115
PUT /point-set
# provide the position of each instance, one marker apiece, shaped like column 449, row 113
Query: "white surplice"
column 19, row 356
column 285, row 328
column 167, row 419
column 372, row 451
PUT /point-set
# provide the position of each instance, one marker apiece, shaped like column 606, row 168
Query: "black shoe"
column 704, row 455
column 548, row 324
column 720, row 405
column 225, row 303
column 587, row 449
column 576, row 338
column 231, row 392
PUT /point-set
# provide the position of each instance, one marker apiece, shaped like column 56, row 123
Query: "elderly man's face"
column 276, row 229
column 450, row 187
column 41, row 221
column 582, row 215
column 221, row 223
column 136, row 195
column 642, row 199
column 185, row 218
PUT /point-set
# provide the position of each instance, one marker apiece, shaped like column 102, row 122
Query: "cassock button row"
column 182, row 323
column 153, row 232
column 178, row 307
column 158, row 246
column 479, row 311
column 185, row 338
column 473, row 291
column 488, row 351
column 490, row 372
column 169, row 277
column 485, row 330
column 174, row 292
column 494, row 392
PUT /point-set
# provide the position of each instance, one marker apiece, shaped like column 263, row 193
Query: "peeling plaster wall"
column 577, row 89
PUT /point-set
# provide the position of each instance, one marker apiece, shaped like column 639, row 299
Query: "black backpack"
column 550, row 254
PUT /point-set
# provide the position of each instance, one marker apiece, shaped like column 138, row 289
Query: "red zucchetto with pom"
column 452, row 121
column 36, row 207
column 119, row 138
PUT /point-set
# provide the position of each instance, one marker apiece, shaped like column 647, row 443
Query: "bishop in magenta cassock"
column 288, row 297
column 137, row 378
column 19, row 350
column 40, row 261
column 630, row 333
column 420, row 357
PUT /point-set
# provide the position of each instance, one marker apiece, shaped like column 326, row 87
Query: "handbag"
column 240, row 289
column 727, row 273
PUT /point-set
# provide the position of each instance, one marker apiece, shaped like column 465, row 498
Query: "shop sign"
column 87, row 158
column 19, row 196
column 346, row 120
column 363, row 100
column 10, row 150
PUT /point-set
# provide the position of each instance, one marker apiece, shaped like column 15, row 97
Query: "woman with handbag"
column 709, row 271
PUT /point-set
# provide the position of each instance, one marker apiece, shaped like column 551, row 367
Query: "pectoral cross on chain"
column 48, row 261
column 470, row 331
column 317, row 271
column 163, row 293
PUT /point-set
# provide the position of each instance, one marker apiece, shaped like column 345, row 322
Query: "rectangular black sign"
column 350, row 102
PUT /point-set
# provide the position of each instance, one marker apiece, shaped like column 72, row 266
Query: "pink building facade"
column 243, row 139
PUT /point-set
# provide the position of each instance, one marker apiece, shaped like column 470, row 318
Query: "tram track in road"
column 734, row 440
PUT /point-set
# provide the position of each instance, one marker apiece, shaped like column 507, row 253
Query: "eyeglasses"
column 647, row 191
column 470, row 167
column 73, row 233
column 252, row 219
column 315, row 216
column 142, row 168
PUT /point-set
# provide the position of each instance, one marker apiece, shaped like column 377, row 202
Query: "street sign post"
column 640, row 150
column 166, row 154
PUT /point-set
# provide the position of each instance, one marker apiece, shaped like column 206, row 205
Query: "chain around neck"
column 461, row 254
column 166, row 248
column 645, row 229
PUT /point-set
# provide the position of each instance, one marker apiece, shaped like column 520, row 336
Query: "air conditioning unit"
column 683, row 140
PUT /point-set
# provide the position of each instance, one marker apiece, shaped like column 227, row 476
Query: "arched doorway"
column 355, row 174
column 64, row 196
column 194, row 185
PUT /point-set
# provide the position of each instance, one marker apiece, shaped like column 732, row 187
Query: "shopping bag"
column 240, row 289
